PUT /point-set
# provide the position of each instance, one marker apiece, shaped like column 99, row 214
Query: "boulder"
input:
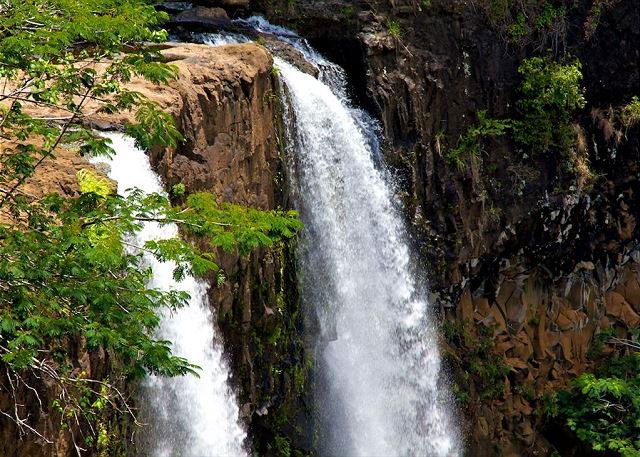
column 290, row 54
column 202, row 16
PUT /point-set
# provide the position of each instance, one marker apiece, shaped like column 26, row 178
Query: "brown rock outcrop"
column 225, row 103
column 550, row 344
column 201, row 16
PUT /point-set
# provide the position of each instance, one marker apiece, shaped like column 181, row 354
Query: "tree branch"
column 49, row 152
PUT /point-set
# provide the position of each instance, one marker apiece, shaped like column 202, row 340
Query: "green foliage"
column 69, row 274
column 75, row 277
column 236, row 228
column 393, row 29
column 461, row 395
column 89, row 181
column 593, row 16
column 630, row 113
column 470, row 142
column 549, row 15
column 527, row 21
column 178, row 190
column 603, row 408
column 282, row 447
column 604, row 412
column 481, row 364
column 153, row 127
column 550, row 93
column 347, row 11
column 519, row 28
column 49, row 55
column 527, row 391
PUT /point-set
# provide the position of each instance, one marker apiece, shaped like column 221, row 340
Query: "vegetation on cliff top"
column 69, row 280
column 540, row 22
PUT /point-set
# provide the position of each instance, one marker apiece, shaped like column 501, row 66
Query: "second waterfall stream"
column 187, row 416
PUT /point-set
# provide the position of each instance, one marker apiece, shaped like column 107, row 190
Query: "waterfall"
column 380, row 390
column 380, row 387
column 188, row 415
column 379, row 355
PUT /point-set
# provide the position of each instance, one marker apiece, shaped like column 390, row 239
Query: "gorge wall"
column 524, row 256
column 527, row 259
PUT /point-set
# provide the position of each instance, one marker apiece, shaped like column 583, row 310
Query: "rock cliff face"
column 516, row 247
column 226, row 106
column 521, row 253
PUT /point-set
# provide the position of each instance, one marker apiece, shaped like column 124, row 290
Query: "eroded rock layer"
column 523, row 252
column 225, row 104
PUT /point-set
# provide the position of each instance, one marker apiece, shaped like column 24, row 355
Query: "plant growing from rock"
column 550, row 94
column 593, row 17
column 481, row 365
column 630, row 113
column 470, row 143
column 393, row 29
column 603, row 408
column 538, row 22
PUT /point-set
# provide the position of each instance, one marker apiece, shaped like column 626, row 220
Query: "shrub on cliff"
column 66, row 279
column 603, row 408
column 542, row 22
column 550, row 94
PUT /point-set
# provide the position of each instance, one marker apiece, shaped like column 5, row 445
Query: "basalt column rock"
column 520, row 253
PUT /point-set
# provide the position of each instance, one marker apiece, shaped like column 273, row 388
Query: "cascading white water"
column 188, row 416
column 382, row 393
column 329, row 73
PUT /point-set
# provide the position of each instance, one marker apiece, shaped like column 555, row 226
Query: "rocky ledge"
column 225, row 104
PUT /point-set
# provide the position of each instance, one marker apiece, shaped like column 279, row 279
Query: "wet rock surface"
column 226, row 105
column 202, row 16
column 518, row 249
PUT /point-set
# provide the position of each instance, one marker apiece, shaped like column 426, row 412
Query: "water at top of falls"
column 220, row 39
column 331, row 74
column 383, row 392
column 188, row 416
